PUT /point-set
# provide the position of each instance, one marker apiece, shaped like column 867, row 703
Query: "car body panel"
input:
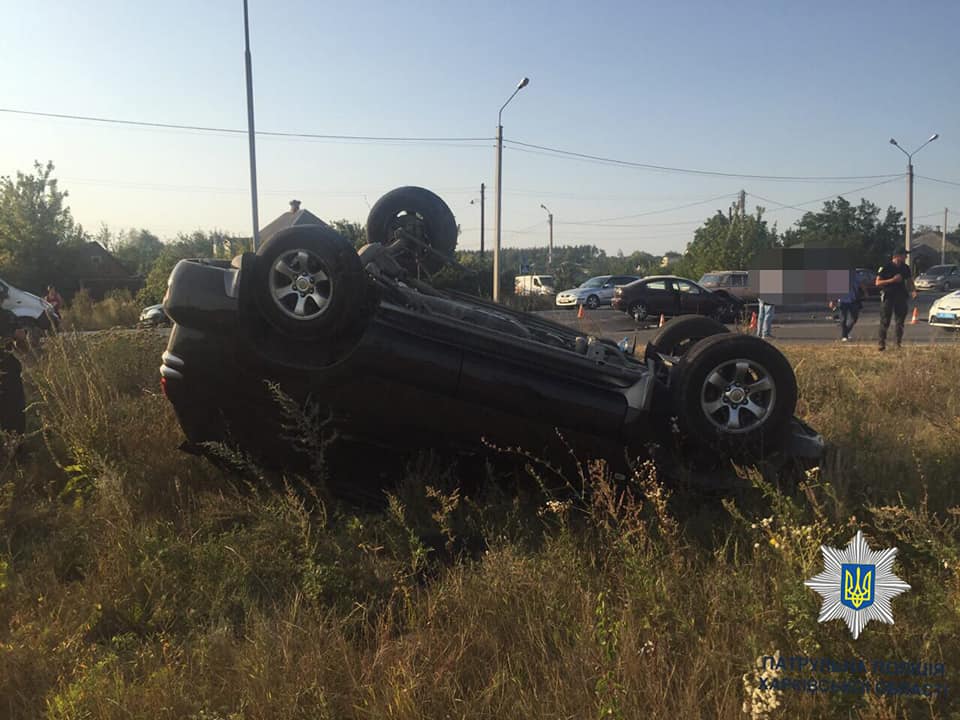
column 25, row 305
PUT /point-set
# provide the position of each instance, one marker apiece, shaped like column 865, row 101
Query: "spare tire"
column 308, row 281
column 417, row 222
column 680, row 334
column 735, row 393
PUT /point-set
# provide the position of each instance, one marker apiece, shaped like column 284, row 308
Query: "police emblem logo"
column 857, row 584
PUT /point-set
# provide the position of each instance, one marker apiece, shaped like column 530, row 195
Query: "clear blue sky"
column 764, row 87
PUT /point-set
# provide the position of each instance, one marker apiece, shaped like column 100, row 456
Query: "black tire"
column 710, row 376
column 326, row 282
column 638, row 311
column 419, row 213
column 680, row 334
column 593, row 302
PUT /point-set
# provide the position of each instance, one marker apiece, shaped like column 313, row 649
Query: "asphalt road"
column 787, row 327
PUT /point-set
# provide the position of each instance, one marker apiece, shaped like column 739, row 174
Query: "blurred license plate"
column 946, row 316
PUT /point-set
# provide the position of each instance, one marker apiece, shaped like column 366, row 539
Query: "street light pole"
column 908, row 233
column 250, row 130
column 550, row 250
column 499, row 194
column 483, row 204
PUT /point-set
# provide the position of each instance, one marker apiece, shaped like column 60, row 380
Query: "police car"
column 945, row 311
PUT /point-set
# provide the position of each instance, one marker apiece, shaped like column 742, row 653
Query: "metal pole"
column 943, row 239
column 909, row 230
column 482, row 188
column 250, row 129
column 550, row 251
column 496, row 216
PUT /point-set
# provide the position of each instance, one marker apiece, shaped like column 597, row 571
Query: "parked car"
column 671, row 296
column 383, row 359
column 594, row 292
column 940, row 277
column 945, row 311
column 733, row 283
column 534, row 285
column 34, row 314
column 154, row 315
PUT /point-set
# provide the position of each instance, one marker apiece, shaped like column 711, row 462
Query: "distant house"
column 926, row 250
column 92, row 268
column 294, row 216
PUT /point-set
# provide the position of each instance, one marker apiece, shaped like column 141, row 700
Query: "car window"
column 595, row 282
column 656, row 285
column 688, row 287
column 710, row 279
column 739, row 281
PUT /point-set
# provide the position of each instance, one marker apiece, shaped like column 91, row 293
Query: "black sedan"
column 308, row 339
column 671, row 296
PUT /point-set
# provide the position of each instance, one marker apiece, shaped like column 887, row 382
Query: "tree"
column 35, row 227
column 198, row 244
column 352, row 231
column 841, row 225
column 726, row 242
column 138, row 250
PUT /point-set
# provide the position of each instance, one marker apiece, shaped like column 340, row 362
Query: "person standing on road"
column 895, row 281
column 849, row 307
column 765, row 313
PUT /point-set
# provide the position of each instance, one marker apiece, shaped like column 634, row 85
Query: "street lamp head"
column 544, row 207
column 894, row 142
column 523, row 83
column 933, row 137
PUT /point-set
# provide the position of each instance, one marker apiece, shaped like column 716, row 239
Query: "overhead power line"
column 690, row 171
column 799, row 206
column 937, row 180
column 601, row 221
column 235, row 131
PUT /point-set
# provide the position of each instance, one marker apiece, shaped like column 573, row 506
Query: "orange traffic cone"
column 916, row 315
column 753, row 321
column 580, row 313
column 662, row 320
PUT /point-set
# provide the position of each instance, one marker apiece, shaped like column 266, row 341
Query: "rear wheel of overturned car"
column 680, row 334
column 735, row 393
column 419, row 223
column 308, row 281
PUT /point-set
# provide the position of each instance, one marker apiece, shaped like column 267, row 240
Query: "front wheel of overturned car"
column 736, row 394
column 680, row 334
column 308, row 281
column 419, row 223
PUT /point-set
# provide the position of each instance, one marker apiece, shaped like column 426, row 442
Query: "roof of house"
column 933, row 240
column 289, row 219
column 91, row 259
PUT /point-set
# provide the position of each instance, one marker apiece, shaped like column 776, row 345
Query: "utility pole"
column 743, row 203
column 250, row 129
column 550, row 247
column 943, row 239
column 482, row 188
column 908, row 231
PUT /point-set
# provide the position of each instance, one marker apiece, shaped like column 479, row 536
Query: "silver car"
column 594, row 292
column 939, row 277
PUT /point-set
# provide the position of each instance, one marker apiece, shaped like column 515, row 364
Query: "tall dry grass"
column 117, row 309
column 136, row 581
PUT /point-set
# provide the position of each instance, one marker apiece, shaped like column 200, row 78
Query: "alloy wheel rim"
column 738, row 396
column 300, row 285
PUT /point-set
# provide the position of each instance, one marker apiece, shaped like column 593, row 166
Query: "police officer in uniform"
column 896, row 283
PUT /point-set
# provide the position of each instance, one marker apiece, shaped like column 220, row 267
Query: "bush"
column 117, row 309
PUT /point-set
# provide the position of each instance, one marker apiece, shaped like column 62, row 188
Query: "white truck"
column 535, row 285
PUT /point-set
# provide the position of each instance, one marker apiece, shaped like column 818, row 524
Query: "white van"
column 535, row 285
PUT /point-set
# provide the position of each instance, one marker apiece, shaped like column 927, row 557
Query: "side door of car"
column 661, row 297
column 692, row 299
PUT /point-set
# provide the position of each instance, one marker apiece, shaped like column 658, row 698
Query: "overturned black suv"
column 390, row 361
